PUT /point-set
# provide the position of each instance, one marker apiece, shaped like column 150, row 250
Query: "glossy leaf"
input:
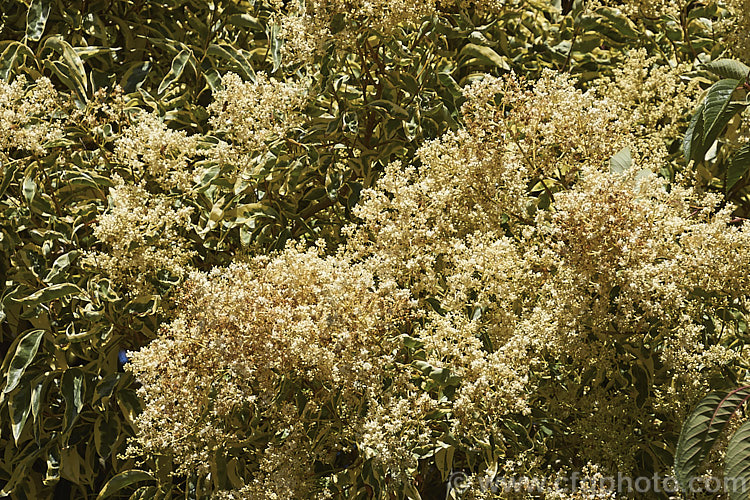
column 10, row 56
column 70, row 68
column 36, row 19
column 692, row 141
column 29, row 189
column 134, row 77
column 72, row 387
column 729, row 68
column 702, row 428
column 24, row 355
column 234, row 56
column 106, row 432
column 485, row 56
column 739, row 165
column 123, row 480
column 179, row 63
column 717, row 110
column 49, row 293
column 19, row 407
column 737, row 463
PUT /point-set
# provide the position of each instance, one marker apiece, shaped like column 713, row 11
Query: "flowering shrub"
column 333, row 250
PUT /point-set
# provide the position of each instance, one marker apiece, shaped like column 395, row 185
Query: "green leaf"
column 19, row 407
column 36, row 19
column 20, row 473
column 9, row 56
column 61, row 264
column 70, row 69
column 702, row 428
column 692, row 142
column 178, row 66
column 93, row 50
column 50, row 293
column 36, row 395
column 485, row 55
column 621, row 161
column 8, row 173
column 73, row 388
column 275, row 41
column 236, row 57
column 245, row 21
column 134, row 77
column 623, row 26
column 29, row 188
column 392, row 109
column 123, row 480
column 106, row 385
column 729, row 68
column 737, row 464
column 144, row 493
column 444, row 460
column 106, row 431
column 129, row 404
column 717, row 110
column 25, row 352
column 738, row 166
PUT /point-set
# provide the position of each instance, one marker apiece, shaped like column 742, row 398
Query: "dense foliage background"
column 181, row 174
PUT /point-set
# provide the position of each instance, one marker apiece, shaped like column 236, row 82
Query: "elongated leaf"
column 123, row 480
column 93, row 50
column 738, row 166
column 486, row 55
column 29, row 189
column 50, row 293
column 9, row 56
column 622, row 25
column 621, row 161
column 234, row 56
column 66, row 75
column 71, row 65
column 24, row 355
column 692, row 142
column 702, row 428
column 8, row 173
column 19, row 406
column 246, row 21
column 36, row 19
column 144, row 493
column 276, row 42
column 729, row 68
column 717, row 110
column 105, row 386
column 393, row 110
column 61, row 264
column 20, row 472
column 106, row 432
column 36, row 395
column 73, row 388
column 134, row 77
column 178, row 66
column 737, row 464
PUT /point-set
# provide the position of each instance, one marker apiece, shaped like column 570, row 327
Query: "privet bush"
column 336, row 250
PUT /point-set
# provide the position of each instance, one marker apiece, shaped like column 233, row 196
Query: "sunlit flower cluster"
column 143, row 239
column 251, row 113
column 24, row 113
column 506, row 269
column 223, row 370
column 307, row 26
column 152, row 151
